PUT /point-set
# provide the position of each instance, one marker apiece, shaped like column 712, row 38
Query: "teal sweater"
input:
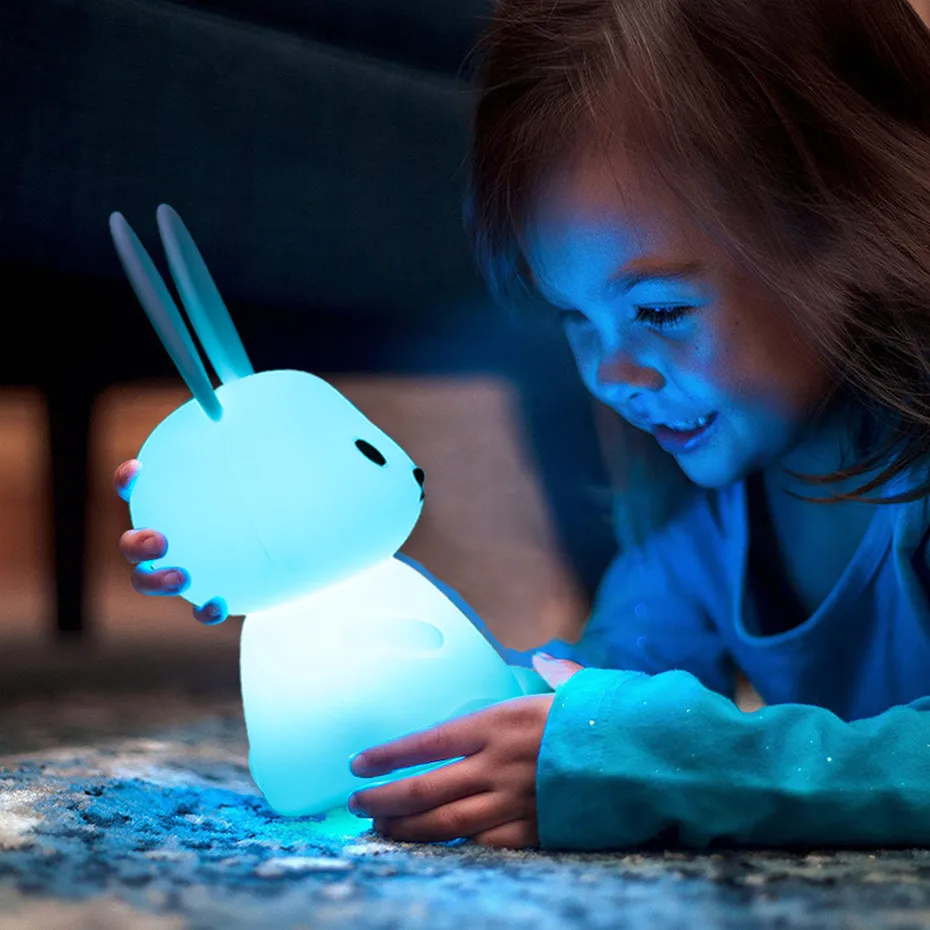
column 628, row 759
column 647, row 746
column 659, row 751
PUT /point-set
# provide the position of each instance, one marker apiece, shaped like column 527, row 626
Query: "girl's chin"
column 710, row 482
column 713, row 470
column 729, row 456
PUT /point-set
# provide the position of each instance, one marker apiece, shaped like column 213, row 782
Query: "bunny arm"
column 519, row 662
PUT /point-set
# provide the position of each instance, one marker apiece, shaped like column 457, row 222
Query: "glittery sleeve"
column 629, row 760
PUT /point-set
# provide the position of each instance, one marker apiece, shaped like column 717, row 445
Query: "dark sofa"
column 317, row 149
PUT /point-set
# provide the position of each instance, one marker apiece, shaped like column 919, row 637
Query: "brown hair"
column 796, row 131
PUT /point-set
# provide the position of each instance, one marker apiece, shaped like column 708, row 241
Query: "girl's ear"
column 163, row 314
column 208, row 314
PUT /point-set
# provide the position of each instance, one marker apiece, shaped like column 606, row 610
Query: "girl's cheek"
column 726, row 360
column 698, row 365
column 585, row 348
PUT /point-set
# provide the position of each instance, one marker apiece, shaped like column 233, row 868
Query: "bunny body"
column 359, row 663
column 281, row 497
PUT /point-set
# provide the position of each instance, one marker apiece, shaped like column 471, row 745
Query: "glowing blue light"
column 354, row 665
column 274, row 499
column 278, row 495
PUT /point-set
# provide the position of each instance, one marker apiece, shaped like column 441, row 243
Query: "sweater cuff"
column 579, row 739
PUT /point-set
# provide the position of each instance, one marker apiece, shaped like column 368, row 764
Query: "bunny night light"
column 280, row 496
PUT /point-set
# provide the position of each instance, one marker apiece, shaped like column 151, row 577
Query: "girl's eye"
column 662, row 316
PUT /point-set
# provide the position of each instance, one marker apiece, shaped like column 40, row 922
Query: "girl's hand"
column 141, row 546
column 489, row 796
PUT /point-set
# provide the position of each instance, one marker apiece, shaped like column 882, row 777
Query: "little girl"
column 727, row 203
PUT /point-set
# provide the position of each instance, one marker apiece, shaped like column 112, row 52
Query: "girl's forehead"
column 588, row 221
column 575, row 257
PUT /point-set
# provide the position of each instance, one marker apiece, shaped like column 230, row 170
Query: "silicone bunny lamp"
column 280, row 496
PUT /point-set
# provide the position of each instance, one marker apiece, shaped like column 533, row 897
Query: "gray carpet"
column 132, row 807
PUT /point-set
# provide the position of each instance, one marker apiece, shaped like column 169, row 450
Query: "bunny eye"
column 370, row 452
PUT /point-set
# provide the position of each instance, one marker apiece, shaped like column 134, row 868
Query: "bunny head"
column 273, row 485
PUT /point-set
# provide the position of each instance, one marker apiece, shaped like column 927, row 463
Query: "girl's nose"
column 621, row 370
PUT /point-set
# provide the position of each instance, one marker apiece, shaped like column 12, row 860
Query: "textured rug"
column 135, row 809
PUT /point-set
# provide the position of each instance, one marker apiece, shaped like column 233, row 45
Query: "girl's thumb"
column 555, row 671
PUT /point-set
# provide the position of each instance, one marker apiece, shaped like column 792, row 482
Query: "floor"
column 125, row 796
column 139, row 814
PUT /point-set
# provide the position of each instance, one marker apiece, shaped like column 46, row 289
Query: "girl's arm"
column 629, row 758
column 651, row 616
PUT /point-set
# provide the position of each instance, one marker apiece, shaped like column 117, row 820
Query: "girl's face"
column 667, row 331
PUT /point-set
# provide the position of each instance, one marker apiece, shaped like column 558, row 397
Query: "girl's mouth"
column 676, row 438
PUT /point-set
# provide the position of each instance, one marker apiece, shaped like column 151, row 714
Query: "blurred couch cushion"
column 435, row 34
column 312, row 177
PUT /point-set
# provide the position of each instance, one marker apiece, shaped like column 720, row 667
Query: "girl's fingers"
column 407, row 797
column 461, row 737
column 518, row 834
column 211, row 613
column 137, row 546
column 165, row 581
column 477, row 814
column 140, row 546
column 555, row 671
column 125, row 477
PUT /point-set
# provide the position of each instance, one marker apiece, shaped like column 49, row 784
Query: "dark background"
column 317, row 149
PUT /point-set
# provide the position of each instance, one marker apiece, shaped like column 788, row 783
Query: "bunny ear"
column 205, row 307
column 163, row 314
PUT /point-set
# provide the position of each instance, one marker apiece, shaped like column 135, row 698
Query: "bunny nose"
column 420, row 475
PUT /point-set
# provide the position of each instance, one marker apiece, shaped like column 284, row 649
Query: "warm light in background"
column 25, row 546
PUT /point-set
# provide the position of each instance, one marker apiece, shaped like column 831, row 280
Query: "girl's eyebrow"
column 637, row 271
column 634, row 272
